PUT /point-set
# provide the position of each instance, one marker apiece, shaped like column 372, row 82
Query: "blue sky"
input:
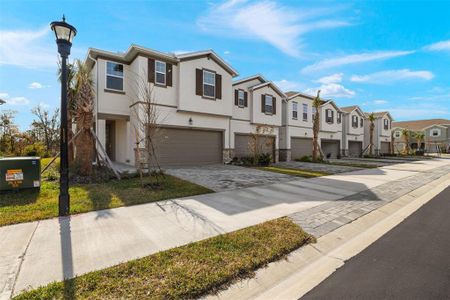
column 381, row 55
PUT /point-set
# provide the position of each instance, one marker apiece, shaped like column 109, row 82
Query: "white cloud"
column 406, row 113
column 390, row 76
column 44, row 105
column 380, row 102
column 27, row 48
column 3, row 95
column 286, row 85
column 226, row 52
column 439, row 46
column 37, row 85
column 278, row 25
column 334, row 78
column 332, row 90
column 17, row 101
column 353, row 59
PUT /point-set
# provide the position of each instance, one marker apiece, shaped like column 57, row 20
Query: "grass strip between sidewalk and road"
column 295, row 172
column 356, row 165
column 185, row 272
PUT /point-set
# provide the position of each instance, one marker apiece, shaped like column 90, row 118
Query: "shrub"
column 264, row 159
column 305, row 158
column 248, row 161
column 36, row 149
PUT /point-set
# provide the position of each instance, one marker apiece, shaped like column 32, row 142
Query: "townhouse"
column 297, row 127
column 436, row 135
column 382, row 136
column 205, row 116
column 353, row 131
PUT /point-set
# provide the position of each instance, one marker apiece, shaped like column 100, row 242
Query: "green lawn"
column 28, row 205
column 185, row 272
column 355, row 164
column 295, row 172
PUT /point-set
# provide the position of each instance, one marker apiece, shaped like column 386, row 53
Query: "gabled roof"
column 268, row 83
column 380, row 114
column 332, row 103
column 134, row 50
column 349, row 109
column 420, row 124
column 210, row 54
column 250, row 78
column 291, row 94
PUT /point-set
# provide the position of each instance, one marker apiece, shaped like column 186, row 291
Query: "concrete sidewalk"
column 36, row 253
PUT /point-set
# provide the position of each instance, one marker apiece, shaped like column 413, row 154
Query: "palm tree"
column 84, row 99
column 420, row 136
column 371, row 129
column 71, row 107
column 406, row 134
column 316, row 126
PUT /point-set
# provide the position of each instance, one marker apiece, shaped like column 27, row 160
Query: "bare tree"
column 9, row 131
column 260, row 139
column 316, row 126
column 146, row 125
column 48, row 126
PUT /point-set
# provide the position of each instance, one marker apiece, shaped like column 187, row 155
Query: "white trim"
column 213, row 85
column 165, row 72
column 122, row 77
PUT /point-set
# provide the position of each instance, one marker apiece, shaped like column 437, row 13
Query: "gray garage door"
column 301, row 147
column 177, row 147
column 330, row 148
column 354, row 148
column 243, row 144
column 385, row 148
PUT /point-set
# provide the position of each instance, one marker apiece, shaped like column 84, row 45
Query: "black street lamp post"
column 64, row 34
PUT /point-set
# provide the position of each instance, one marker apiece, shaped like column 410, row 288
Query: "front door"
column 110, row 139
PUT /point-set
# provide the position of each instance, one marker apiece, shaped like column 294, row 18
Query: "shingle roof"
column 419, row 124
column 349, row 109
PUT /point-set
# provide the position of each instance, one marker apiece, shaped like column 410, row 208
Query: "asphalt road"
column 412, row 261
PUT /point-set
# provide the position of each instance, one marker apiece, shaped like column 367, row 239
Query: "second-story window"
column 114, row 76
column 305, row 112
column 209, row 84
column 397, row 134
column 160, row 72
column 339, row 118
column 435, row 132
column 241, row 98
column 294, row 110
column 268, row 104
column 386, row 124
column 329, row 116
column 361, row 122
column 355, row 121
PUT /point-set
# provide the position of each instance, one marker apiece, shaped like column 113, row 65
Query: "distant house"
column 382, row 137
column 353, row 131
column 437, row 134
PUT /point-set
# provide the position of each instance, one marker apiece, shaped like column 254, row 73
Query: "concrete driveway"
column 227, row 177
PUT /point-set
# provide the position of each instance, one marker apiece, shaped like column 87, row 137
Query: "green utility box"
column 20, row 173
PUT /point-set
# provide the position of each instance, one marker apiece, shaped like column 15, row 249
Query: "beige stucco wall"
column 324, row 126
column 259, row 117
column 189, row 101
column 244, row 113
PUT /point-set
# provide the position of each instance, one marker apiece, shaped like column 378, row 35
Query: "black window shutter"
column 218, row 86
column 236, row 97
column 263, row 104
column 245, row 99
column 274, row 105
column 168, row 74
column 151, row 70
column 199, row 82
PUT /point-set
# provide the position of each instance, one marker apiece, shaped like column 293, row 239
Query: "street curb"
column 306, row 267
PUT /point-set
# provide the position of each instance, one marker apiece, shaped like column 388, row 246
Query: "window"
column 314, row 110
column 209, row 84
column 268, row 102
column 160, row 72
column 114, row 76
column 361, row 122
column 355, row 121
column 339, row 118
column 241, row 98
column 329, row 116
column 305, row 112
column 435, row 132
column 386, row 124
column 294, row 110
column 397, row 134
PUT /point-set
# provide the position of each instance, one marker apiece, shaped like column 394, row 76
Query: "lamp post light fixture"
column 64, row 33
